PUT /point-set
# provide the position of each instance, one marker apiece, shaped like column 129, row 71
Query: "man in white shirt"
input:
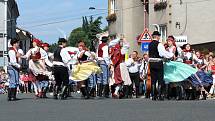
column 156, row 53
column 13, row 69
column 103, row 62
column 143, row 75
column 133, row 65
column 60, row 69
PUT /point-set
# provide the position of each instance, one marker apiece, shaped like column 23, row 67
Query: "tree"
column 87, row 32
column 53, row 47
column 77, row 35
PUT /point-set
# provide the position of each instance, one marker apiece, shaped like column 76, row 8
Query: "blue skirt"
column 201, row 79
column 177, row 71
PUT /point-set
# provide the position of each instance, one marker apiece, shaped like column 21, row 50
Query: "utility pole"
column 146, row 13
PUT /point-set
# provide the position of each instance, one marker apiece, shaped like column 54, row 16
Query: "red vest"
column 117, row 57
column 11, row 48
column 36, row 56
column 100, row 51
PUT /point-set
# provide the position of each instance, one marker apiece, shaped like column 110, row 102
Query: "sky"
column 50, row 19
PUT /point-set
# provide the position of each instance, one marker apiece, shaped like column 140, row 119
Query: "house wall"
column 195, row 20
column 130, row 21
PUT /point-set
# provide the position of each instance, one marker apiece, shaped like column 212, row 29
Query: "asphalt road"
column 76, row 109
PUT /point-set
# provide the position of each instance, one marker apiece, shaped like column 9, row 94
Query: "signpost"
column 145, row 38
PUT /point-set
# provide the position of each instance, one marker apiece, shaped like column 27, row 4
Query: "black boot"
column 63, row 95
column 160, row 92
column 204, row 95
column 167, row 91
column 137, row 91
column 100, row 90
column 126, row 91
column 9, row 94
column 44, row 91
column 106, row 91
column 93, row 92
column 55, row 92
column 87, row 91
column 178, row 93
column 14, row 92
column 69, row 90
column 83, row 92
column 154, row 92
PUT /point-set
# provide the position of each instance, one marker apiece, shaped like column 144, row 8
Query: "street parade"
column 166, row 72
column 107, row 60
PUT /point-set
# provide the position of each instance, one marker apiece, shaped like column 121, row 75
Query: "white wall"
column 197, row 20
column 200, row 21
column 132, row 21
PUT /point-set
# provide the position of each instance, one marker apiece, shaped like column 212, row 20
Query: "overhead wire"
column 62, row 21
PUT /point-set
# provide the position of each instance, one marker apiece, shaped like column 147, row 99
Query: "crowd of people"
column 165, row 72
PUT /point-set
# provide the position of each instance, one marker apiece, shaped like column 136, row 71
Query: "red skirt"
column 117, row 75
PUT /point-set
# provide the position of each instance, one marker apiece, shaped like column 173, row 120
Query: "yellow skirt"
column 82, row 71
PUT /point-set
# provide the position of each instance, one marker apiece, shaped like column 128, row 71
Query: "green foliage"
column 87, row 32
column 53, row 47
column 77, row 35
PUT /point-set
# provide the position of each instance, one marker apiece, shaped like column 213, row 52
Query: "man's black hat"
column 156, row 33
column 14, row 41
column 104, row 39
column 62, row 40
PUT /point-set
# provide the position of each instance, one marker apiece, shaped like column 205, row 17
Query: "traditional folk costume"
column 200, row 63
column 201, row 80
column 134, row 68
column 198, row 80
column 156, row 53
column 61, row 71
column 84, row 69
column 143, row 75
column 118, row 52
column 71, row 65
column 175, row 72
column 104, row 63
column 13, row 71
column 37, row 60
column 48, row 64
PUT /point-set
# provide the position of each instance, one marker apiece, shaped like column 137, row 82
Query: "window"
column 163, row 31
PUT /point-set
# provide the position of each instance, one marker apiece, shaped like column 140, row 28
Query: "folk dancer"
column 60, row 70
column 119, row 47
column 156, row 53
column 84, row 69
column 13, row 70
column 37, row 60
column 45, row 83
column 104, row 63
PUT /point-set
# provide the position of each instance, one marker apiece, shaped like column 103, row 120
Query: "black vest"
column 57, row 56
column 153, row 49
column 153, row 53
column 83, row 58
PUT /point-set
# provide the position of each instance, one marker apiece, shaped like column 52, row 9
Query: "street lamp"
column 93, row 8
